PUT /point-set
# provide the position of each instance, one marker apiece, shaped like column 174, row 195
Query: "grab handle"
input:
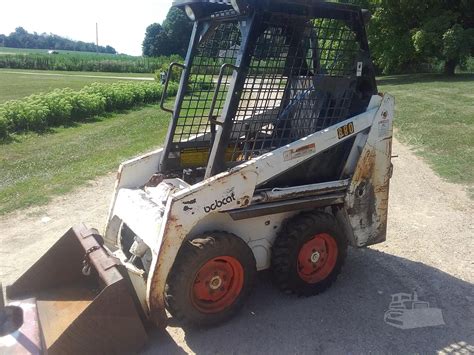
column 213, row 119
column 165, row 89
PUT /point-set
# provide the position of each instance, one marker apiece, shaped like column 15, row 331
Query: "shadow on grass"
column 78, row 123
column 16, row 137
column 423, row 78
column 8, row 140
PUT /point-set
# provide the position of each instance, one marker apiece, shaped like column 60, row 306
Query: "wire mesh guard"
column 300, row 80
column 220, row 45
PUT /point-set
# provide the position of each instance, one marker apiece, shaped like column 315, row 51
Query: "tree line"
column 21, row 38
column 404, row 36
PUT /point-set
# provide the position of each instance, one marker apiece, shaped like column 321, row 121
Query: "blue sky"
column 122, row 23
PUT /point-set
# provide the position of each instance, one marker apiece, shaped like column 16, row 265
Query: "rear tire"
column 211, row 278
column 308, row 254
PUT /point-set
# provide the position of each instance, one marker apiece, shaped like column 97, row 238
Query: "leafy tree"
column 156, row 41
column 178, row 29
column 110, row 50
column 405, row 35
column 171, row 38
column 446, row 32
column 389, row 34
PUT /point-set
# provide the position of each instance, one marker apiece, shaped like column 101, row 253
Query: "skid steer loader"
column 278, row 156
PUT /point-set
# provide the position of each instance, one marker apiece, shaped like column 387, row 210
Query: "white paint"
column 190, row 209
column 379, row 144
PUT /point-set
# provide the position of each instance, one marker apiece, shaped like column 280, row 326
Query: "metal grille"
column 299, row 82
column 220, row 45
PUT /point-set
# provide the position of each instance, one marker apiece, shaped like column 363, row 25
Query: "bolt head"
column 315, row 257
column 215, row 283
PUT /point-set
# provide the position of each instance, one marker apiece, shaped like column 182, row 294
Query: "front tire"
column 308, row 254
column 211, row 278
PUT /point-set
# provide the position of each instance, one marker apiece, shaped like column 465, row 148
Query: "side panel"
column 259, row 233
column 131, row 174
column 367, row 197
column 136, row 172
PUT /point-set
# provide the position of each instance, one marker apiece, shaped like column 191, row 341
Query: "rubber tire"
column 296, row 232
column 193, row 254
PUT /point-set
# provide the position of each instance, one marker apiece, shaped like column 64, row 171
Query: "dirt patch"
column 28, row 233
column 430, row 220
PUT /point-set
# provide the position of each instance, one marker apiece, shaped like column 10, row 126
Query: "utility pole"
column 97, row 36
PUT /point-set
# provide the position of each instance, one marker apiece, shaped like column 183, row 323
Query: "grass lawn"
column 17, row 83
column 36, row 167
column 435, row 115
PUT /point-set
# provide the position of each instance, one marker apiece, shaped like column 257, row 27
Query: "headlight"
column 190, row 13
column 235, row 5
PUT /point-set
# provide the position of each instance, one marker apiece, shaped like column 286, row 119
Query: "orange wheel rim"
column 217, row 284
column 317, row 258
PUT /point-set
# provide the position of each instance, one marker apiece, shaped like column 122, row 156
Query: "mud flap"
column 82, row 299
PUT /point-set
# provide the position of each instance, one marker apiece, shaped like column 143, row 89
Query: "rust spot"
column 370, row 198
column 244, row 201
column 365, row 166
column 155, row 180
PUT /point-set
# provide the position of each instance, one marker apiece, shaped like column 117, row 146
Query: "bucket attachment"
column 82, row 299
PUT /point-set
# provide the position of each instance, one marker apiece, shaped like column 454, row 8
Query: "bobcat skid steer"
column 278, row 156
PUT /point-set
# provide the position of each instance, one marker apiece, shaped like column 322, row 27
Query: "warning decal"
column 299, row 152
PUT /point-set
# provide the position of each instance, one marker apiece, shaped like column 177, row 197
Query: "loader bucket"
column 82, row 299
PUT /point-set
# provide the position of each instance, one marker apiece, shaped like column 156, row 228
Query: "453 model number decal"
column 345, row 130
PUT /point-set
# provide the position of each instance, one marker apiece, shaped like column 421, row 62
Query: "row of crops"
column 65, row 106
column 92, row 62
column 86, row 62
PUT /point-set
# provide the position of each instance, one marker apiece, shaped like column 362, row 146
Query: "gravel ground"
column 429, row 250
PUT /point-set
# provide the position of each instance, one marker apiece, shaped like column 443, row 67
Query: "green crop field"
column 40, row 59
column 434, row 115
column 16, row 83
column 7, row 50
